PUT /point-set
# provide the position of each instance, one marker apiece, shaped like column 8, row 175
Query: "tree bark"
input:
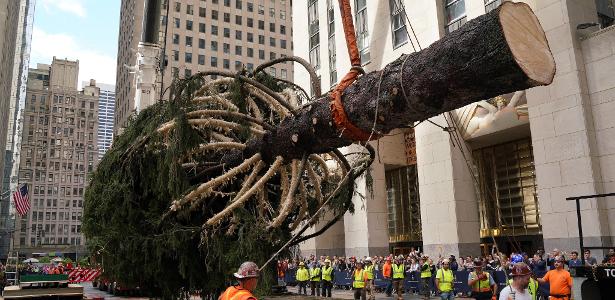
column 501, row 52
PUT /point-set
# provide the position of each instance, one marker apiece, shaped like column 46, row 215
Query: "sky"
column 86, row 30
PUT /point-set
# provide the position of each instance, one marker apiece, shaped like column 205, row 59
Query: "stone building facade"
column 502, row 176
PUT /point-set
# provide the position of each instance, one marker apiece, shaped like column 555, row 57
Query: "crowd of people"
column 524, row 272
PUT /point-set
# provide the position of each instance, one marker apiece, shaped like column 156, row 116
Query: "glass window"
column 250, row 22
column 214, row 15
column 214, row 30
column 283, row 44
column 238, row 35
column 261, row 54
column 226, row 48
column 238, row 50
column 202, row 12
column 214, row 61
column 202, row 27
column 238, row 20
column 261, row 24
column 189, row 41
column 272, row 27
column 175, row 40
column 175, row 55
column 214, row 46
column 238, row 4
column 261, row 39
column 261, row 10
column 314, row 33
column 398, row 23
column 201, row 59
column 282, row 29
column 188, row 25
column 250, row 52
column 283, row 74
column 227, row 17
column 201, row 43
column 189, row 9
column 227, row 3
column 250, row 6
column 238, row 65
column 362, row 30
column 178, row 7
column 226, row 63
column 455, row 12
column 188, row 58
column 227, row 32
column 250, row 37
column 403, row 205
column 272, row 41
column 272, row 12
column 176, row 22
column 491, row 5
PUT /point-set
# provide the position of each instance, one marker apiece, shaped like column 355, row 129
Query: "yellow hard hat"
column 327, row 261
column 302, row 264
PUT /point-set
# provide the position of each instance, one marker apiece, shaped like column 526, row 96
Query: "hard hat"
column 520, row 269
column 368, row 259
column 302, row 264
column 517, row 258
column 247, row 270
column 327, row 261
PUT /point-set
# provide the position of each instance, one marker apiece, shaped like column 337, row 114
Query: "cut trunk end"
column 527, row 41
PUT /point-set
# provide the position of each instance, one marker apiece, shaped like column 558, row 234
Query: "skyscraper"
column 106, row 115
column 59, row 149
column 16, row 18
column 205, row 35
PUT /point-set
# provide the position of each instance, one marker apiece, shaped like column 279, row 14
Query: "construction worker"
column 315, row 277
column 483, row 285
column 302, row 276
column 387, row 272
column 359, row 281
column 520, row 286
column 425, row 276
column 445, row 280
column 247, row 276
column 560, row 282
column 398, row 277
column 327, row 279
column 370, row 288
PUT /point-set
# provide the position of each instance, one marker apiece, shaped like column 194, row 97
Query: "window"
column 226, row 63
column 238, row 65
column 188, row 58
column 189, row 41
column 175, row 40
column 238, row 4
column 272, row 42
column 455, row 13
column 272, row 12
column 176, row 22
column 250, row 6
column 283, row 74
column 491, row 5
column 272, row 27
column 178, row 7
column 398, row 23
column 282, row 29
column 227, row 3
column 261, row 54
column 238, row 20
column 175, row 55
column 227, row 32
column 250, row 52
column 238, row 50
column 314, row 33
column 261, row 39
column 261, row 10
column 362, row 30
column 202, row 12
column 331, row 42
column 214, row 15
column 214, row 46
column 214, row 62
column 272, row 55
column 227, row 17
column 238, row 35
column 403, row 206
column 250, row 22
column 250, row 66
column 188, row 25
column 250, row 37
column 214, row 30
column 189, row 9
column 226, row 48
column 282, row 15
column 283, row 44
column 201, row 59
column 272, row 71
column 261, row 24
column 202, row 27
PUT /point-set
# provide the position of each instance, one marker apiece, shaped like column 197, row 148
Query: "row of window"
column 238, row 5
column 189, row 41
column 54, row 203
column 226, row 64
column 51, row 241
column 227, row 19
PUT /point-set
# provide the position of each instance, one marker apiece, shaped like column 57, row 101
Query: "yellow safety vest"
column 302, row 274
column 359, row 280
column 315, row 274
column 481, row 285
column 426, row 273
column 398, row 271
column 370, row 272
column 532, row 287
column 445, row 280
column 326, row 273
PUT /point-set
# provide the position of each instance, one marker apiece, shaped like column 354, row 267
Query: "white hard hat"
column 368, row 259
column 247, row 270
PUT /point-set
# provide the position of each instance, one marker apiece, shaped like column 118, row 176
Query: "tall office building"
column 503, row 176
column 204, row 35
column 59, row 149
column 16, row 19
column 106, row 113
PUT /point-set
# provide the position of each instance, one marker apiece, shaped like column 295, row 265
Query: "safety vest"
column 315, row 274
column 532, row 287
column 235, row 293
column 481, row 285
column 359, row 279
column 426, row 273
column 370, row 272
column 398, row 271
column 445, row 280
column 326, row 273
column 302, row 274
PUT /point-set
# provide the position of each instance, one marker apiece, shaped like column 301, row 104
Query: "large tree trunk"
column 501, row 52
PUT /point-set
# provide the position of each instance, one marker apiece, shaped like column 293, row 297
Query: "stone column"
column 449, row 208
column 566, row 150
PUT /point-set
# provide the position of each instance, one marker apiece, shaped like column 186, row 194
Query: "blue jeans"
column 389, row 289
column 447, row 296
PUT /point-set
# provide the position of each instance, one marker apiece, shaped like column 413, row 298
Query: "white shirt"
column 505, row 294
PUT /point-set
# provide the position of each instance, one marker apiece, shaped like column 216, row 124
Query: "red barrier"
column 83, row 275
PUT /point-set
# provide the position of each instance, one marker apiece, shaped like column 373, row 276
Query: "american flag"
column 22, row 200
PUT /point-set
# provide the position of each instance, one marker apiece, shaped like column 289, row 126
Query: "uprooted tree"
column 229, row 168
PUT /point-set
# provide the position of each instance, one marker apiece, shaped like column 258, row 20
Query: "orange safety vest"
column 235, row 293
